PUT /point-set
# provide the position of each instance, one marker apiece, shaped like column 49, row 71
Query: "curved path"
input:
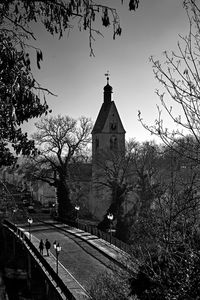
column 78, row 256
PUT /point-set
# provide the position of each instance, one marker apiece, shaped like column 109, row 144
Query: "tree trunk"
column 65, row 208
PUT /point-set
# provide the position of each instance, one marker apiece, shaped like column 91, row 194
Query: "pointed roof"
column 102, row 117
column 105, row 109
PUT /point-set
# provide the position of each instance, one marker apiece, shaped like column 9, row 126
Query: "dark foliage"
column 173, row 275
column 18, row 102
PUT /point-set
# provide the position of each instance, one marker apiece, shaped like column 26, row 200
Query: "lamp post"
column 54, row 244
column 77, row 208
column 57, row 248
column 110, row 218
column 30, row 221
column 14, row 211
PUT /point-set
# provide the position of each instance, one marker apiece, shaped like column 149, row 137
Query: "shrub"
column 111, row 286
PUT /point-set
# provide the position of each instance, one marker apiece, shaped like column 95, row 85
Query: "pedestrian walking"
column 41, row 246
column 47, row 246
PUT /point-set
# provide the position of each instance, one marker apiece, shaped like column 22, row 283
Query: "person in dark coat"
column 41, row 246
column 47, row 246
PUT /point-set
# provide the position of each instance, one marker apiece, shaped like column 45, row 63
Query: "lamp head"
column 58, row 248
column 30, row 220
column 77, row 207
column 110, row 216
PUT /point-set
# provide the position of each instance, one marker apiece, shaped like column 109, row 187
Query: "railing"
column 58, row 281
column 99, row 233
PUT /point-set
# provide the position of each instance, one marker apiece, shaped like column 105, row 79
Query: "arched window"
column 113, row 143
column 113, row 126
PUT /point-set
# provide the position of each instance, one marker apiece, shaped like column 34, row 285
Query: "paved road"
column 82, row 260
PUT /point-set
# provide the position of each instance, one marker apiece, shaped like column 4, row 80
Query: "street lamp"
column 54, row 244
column 14, row 211
column 110, row 218
column 30, row 221
column 57, row 248
column 77, row 208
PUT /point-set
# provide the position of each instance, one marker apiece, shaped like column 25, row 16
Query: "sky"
column 78, row 79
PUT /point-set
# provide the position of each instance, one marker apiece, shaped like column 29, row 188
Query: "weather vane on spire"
column 107, row 75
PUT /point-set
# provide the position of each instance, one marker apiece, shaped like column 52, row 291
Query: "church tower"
column 108, row 136
column 108, row 133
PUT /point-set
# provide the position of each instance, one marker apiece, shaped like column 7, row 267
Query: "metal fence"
column 99, row 233
column 58, row 281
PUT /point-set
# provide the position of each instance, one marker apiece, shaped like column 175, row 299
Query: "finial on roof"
column 107, row 90
column 107, row 74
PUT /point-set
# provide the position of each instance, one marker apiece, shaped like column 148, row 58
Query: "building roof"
column 107, row 105
column 102, row 117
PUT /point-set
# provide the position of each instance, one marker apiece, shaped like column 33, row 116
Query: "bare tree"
column 180, row 77
column 171, row 261
column 165, row 236
column 143, row 174
column 62, row 142
column 168, row 239
column 145, row 158
column 113, row 167
column 125, row 173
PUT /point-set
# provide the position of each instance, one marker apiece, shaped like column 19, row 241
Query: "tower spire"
column 107, row 90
